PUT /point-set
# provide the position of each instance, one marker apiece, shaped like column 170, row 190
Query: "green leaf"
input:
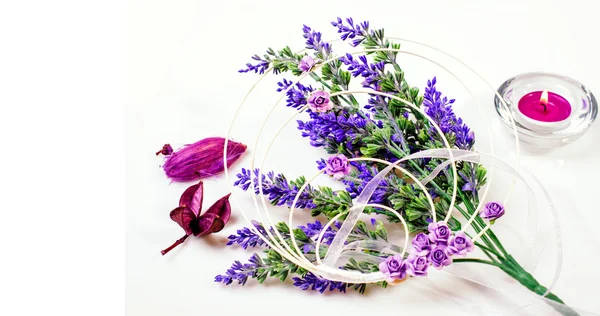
column 413, row 214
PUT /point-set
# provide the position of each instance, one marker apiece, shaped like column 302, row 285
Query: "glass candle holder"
column 548, row 109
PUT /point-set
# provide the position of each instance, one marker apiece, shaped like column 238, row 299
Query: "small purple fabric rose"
column 319, row 101
column 421, row 245
column 306, row 63
column 492, row 211
column 337, row 166
column 439, row 257
column 439, row 232
column 417, row 265
column 459, row 244
column 394, row 268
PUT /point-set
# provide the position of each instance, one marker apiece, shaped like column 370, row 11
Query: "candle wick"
column 544, row 105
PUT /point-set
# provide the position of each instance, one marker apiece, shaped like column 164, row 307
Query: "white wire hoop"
column 276, row 241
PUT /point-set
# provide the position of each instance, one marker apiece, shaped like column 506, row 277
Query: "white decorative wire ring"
column 276, row 245
column 306, row 183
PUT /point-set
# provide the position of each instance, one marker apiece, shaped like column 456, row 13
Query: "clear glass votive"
column 536, row 130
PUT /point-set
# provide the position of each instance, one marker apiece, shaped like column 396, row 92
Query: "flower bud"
column 201, row 159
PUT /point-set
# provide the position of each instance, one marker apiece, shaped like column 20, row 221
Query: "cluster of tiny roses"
column 434, row 249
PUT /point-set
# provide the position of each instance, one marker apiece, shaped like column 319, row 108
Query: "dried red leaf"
column 221, row 208
column 217, row 225
column 192, row 198
column 208, row 223
column 184, row 217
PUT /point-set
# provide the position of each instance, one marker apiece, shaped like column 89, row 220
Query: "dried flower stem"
column 177, row 243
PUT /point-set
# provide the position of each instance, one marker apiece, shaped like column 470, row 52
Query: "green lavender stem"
column 509, row 265
column 494, row 248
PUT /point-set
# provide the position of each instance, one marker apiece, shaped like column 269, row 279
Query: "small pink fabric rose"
column 460, row 244
column 492, row 211
column 417, row 265
column 319, row 101
column 337, row 166
column 394, row 268
column 306, row 63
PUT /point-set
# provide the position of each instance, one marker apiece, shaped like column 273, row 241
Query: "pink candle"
column 544, row 111
column 545, row 106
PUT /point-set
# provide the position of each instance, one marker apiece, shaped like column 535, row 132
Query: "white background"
column 184, row 85
column 62, row 73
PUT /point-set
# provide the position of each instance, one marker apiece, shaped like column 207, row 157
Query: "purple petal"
column 184, row 217
column 192, row 198
column 221, row 208
column 208, row 223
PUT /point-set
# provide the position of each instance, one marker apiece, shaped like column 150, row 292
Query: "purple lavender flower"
column 417, row 265
column 313, row 230
column 492, row 211
column 421, row 245
column 440, row 110
column 361, row 67
column 439, row 257
column 240, row 272
column 312, row 282
column 362, row 175
column 314, row 42
column 439, row 232
column 465, row 138
column 306, row 63
column 356, row 32
column 296, row 96
column 394, row 268
column 460, row 244
column 470, row 179
column 277, row 188
column 337, row 166
column 331, row 128
column 321, row 164
column 245, row 237
column 319, row 101
column 260, row 67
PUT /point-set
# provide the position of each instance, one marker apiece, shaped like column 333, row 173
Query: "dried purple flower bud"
column 201, row 159
column 165, row 150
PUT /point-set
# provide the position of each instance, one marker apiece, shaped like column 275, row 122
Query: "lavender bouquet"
column 386, row 131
